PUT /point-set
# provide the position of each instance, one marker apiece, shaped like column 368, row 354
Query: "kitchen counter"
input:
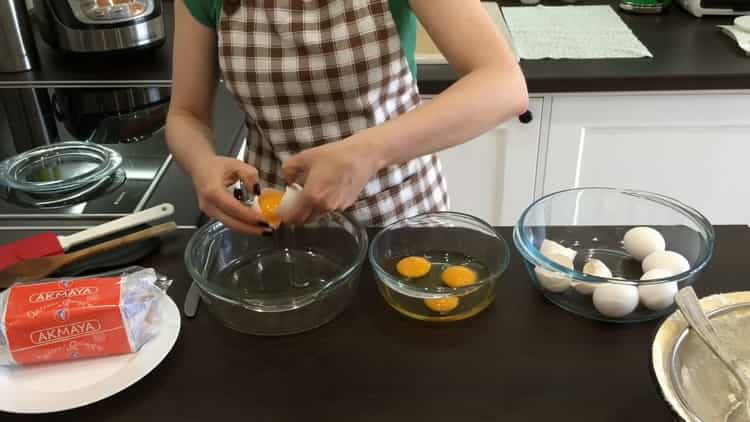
column 523, row 359
column 689, row 54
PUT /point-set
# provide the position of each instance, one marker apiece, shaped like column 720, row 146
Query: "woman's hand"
column 211, row 177
column 334, row 175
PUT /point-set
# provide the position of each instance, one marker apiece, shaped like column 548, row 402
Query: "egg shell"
column 554, row 281
column 597, row 268
column 550, row 248
column 615, row 300
column 657, row 296
column 643, row 241
column 666, row 260
column 289, row 200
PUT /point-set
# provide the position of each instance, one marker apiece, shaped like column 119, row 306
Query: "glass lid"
column 60, row 167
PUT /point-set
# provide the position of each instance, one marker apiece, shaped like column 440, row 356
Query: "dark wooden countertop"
column 689, row 54
column 523, row 359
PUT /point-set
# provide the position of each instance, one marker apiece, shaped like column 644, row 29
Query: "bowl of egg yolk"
column 440, row 266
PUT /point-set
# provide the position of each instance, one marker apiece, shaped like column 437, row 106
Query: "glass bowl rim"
column 535, row 257
column 293, row 303
column 109, row 162
column 388, row 278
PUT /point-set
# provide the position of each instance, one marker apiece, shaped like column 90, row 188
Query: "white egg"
column 656, row 274
column 550, row 247
column 643, row 241
column 666, row 260
column 657, row 296
column 289, row 200
column 584, row 288
column 596, row 268
column 615, row 300
column 552, row 280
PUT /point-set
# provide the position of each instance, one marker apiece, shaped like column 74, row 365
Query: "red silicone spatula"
column 47, row 244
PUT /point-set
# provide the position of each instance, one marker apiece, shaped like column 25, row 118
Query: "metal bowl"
column 692, row 380
column 296, row 280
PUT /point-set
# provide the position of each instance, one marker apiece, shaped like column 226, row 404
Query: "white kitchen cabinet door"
column 492, row 177
column 694, row 148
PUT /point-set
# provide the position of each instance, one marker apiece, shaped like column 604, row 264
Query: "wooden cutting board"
column 428, row 53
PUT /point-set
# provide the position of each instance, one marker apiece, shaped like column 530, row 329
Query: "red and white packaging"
column 78, row 318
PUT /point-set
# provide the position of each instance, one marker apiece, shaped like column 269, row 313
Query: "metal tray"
column 60, row 167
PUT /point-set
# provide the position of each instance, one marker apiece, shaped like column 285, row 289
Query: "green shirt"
column 207, row 12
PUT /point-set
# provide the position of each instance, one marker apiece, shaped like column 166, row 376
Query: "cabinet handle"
column 526, row 117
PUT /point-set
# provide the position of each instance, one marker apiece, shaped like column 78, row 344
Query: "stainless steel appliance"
column 117, row 115
column 100, row 26
column 702, row 8
column 16, row 38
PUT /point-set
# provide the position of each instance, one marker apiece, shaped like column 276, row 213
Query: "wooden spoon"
column 35, row 269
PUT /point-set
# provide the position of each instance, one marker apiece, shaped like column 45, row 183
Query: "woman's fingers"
column 238, row 225
column 245, row 173
column 301, row 211
column 313, row 204
column 295, row 167
column 228, row 205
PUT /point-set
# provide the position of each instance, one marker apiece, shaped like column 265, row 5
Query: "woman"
column 331, row 98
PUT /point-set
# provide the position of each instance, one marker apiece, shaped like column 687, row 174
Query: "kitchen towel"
column 571, row 32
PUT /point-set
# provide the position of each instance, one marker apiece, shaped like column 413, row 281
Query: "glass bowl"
column 59, row 167
column 296, row 280
column 593, row 222
column 446, row 239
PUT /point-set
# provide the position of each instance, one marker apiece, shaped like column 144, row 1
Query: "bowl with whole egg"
column 615, row 255
column 440, row 266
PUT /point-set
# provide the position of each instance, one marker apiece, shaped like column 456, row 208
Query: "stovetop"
column 29, row 118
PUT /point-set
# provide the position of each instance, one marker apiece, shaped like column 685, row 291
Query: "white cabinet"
column 695, row 148
column 492, row 177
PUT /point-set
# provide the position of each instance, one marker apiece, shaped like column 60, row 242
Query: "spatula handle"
column 121, row 241
column 132, row 220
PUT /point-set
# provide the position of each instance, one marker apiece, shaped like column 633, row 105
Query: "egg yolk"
column 268, row 202
column 413, row 267
column 442, row 305
column 458, row 276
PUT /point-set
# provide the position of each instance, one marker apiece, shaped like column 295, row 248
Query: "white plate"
column 63, row 386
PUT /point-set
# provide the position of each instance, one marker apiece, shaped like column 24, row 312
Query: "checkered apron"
column 310, row 72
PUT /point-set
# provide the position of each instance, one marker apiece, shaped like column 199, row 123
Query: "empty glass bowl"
column 59, row 168
column 296, row 280
column 593, row 223
column 435, row 242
